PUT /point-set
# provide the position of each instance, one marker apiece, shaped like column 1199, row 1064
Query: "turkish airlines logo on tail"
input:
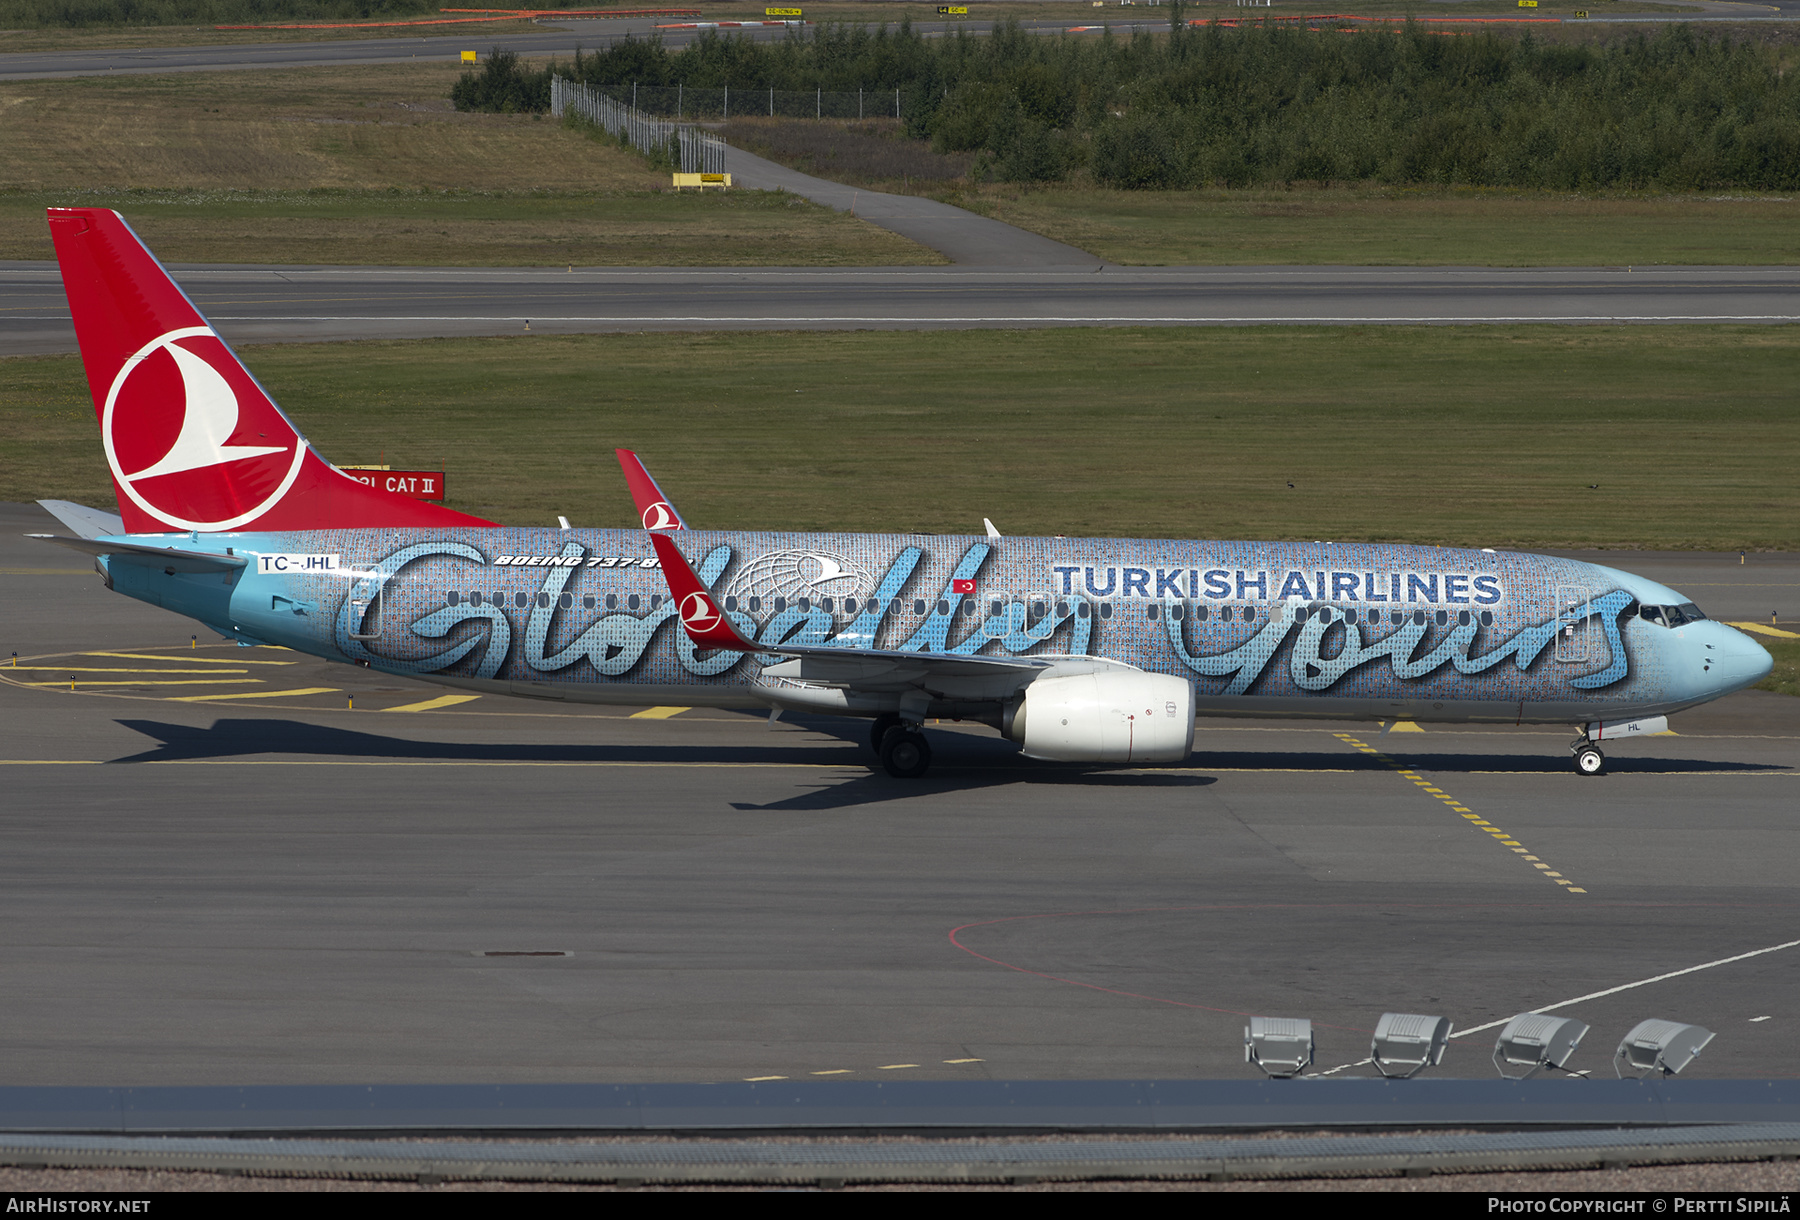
column 661, row 516
column 190, row 437
column 698, row 613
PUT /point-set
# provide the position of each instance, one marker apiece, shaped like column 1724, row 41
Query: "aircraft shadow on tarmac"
column 963, row 761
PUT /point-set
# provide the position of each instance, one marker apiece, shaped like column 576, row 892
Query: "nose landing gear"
column 1588, row 758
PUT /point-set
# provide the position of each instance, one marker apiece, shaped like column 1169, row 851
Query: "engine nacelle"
column 1110, row 716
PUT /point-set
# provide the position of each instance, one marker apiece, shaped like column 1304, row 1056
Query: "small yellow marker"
column 193, row 641
column 657, row 713
column 468, row 57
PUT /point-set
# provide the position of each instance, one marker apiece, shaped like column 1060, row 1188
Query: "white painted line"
column 1595, row 995
column 1084, row 320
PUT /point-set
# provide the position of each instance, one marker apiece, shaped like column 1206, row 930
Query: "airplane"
column 1088, row 650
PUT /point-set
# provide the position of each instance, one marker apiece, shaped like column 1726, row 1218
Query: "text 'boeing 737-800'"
column 1088, row 650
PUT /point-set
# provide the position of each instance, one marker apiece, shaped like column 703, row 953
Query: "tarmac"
column 234, row 866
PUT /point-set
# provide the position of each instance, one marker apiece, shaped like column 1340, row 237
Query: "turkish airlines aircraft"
column 1081, row 649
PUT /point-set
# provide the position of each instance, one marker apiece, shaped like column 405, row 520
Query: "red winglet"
column 654, row 509
column 704, row 622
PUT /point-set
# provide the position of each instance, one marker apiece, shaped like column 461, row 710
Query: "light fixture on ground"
column 1280, row 1046
column 1405, row 1044
column 1656, row 1047
column 1532, row 1042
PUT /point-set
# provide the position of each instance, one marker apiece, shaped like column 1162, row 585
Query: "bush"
column 503, row 87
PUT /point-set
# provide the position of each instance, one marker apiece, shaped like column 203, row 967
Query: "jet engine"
column 1114, row 715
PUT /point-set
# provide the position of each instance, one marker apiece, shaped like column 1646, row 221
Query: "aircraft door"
column 1574, row 643
column 366, row 614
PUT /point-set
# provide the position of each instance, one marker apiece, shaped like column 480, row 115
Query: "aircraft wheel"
column 1589, row 761
column 879, row 730
column 905, row 754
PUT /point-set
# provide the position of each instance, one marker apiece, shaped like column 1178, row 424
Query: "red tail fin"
column 193, row 441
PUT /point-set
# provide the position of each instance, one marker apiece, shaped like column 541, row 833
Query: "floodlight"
column 1534, row 1042
column 1405, row 1044
column 1656, row 1047
column 1280, row 1046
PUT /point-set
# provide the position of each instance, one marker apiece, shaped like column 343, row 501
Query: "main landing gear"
column 905, row 754
column 1588, row 758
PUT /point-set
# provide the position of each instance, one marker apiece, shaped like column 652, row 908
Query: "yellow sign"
column 949, row 10
column 468, row 57
column 781, row 12
column 1527, row 3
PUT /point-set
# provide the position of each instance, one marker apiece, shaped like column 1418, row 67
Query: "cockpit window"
column 1673, row 616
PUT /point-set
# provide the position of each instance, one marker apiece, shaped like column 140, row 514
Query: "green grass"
column 474, row 228
column 1785, row 678
column 1484, row 436
column 1406, row 227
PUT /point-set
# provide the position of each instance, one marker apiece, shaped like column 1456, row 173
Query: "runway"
column 234, row 866
column 276, row 304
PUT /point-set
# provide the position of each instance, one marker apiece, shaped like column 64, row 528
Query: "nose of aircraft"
column 1736, row 660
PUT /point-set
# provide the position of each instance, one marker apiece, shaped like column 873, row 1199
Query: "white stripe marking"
column 1595, row 995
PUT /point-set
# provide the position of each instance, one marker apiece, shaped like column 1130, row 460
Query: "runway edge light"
column 1405, row 1044
column 1659, row 1047
column 1534, row 1042
column 1280, row 1046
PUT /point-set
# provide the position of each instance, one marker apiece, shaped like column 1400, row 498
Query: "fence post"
column 678, row 88
column 819, row 103
column 896, row 103
column 727, row 110
column 771, row 101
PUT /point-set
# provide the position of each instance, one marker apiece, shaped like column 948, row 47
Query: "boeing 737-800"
column 1080, row 649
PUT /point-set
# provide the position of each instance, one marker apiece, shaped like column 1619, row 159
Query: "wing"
column 862, row 668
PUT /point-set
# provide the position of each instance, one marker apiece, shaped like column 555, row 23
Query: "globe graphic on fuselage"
column 793, row 575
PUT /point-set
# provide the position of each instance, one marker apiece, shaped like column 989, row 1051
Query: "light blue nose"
column 1731, row 659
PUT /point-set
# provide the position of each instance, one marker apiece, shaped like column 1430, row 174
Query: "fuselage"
column 1261, row 629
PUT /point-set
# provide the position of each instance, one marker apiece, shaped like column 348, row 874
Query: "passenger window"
column 452, row 597
column 631, row 603
column 1105, row 609
column 1462, row 618
column 968, row 607
column 1249, row 614
column 1200, row 613
column 655, row 600
column 943, row 607
column 475, row 598
column 918, row 607
column 1177, row 612
column 755, row 605
column 612, row 601
column 805, row 604
column 543, row 601
column 1487, row 618
column 849, row 605
column 1418, row 618
column 1443, row 616
column 780, row 604
column 1398, row 617
column 1082, row 610
column 1150, row 612
column 566, row 600
column 587, row 603
column 730, row 604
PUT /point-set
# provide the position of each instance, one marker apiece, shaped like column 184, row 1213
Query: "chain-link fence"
column 697, row 152
column 682, row 102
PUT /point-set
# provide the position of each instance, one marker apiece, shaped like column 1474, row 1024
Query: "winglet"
column 701, row 617
column 654, row 510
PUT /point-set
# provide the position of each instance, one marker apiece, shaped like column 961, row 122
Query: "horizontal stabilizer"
column 167, row 558
column 86, row 522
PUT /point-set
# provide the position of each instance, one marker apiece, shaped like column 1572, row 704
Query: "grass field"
column 369, row 164
column 1374, row 226
column 1785, row 678
column 1479, row 436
